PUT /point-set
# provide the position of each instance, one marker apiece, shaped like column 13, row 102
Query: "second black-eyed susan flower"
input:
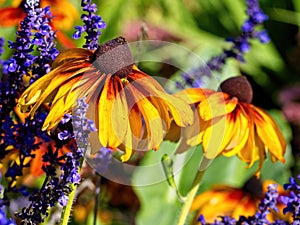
column 131, row 109
column 227, row 123
column 224, row 200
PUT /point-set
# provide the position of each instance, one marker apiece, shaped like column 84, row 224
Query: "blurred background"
column 202, row 27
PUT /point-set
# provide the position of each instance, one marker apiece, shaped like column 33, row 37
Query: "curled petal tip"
column 127, row 155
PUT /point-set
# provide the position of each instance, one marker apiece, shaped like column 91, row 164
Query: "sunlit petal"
column 194, row 95
column 270, row 134
column 217, row 104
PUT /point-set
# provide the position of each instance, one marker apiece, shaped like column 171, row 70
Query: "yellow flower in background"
column 130, row 108
column 227, row 123
column 225, row 200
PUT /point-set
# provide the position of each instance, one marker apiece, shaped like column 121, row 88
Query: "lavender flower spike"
column 1, row 48
column 240, row 46
column 92, row 25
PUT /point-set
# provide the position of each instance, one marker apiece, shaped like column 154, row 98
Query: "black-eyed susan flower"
column 225, row 200
column 131, row 109
column 227, row 123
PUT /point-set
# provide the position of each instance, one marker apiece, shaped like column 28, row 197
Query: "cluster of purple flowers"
column 92, row 25
column 240, row 45
column 34, row 51
column 34, row 32
column 292, row 201
column 57, row 186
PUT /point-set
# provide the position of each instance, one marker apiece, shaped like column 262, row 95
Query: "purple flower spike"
column 92, row 25
column 240, row 46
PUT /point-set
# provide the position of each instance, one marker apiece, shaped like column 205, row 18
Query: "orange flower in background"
column 130, row 108
column 226, row 123
column 224, row 200
column 35, row 163
column 63, row 19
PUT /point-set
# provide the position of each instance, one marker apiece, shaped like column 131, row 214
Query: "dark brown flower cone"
column 238, row 87
column 114, row 57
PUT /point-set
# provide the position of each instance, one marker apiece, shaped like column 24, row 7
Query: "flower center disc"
column 114, row 57
column 238, row 87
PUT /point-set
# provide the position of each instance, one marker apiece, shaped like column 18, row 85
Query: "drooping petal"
column 135, row 120
column 250, row 153
column 142, row 77
column 217, row 104
column 261, row 151
column 240, row 131
column 77, row 55
column 63, row 102
column 120, row 115
column 110, row 107
column 217, row 136
column 159, row 104
column 151, row 117
column 179, row 109
column 194, row 95
column 44, row 89
column 270, row 134
column 191, row 135
column 67, row 96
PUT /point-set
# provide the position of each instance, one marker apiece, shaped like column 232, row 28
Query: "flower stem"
column 191, row 195
column 67, row 210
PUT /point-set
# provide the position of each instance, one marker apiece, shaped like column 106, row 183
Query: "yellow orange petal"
column 108, row 135
column 194, row 95
column 217, row 136
column 193, row 135
column 241, row 132
column 159, row 104
column 270, row 134
column 250, row 153
column 217, row 104
column 201, row 200
column 75, row 54
column 66, row 96
column 44, row 89
column 120, row 115
column 245, row 207
column 135, row 120
column 179, row 109
column 151, row 116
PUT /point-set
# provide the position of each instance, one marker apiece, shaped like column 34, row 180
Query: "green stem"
column 68, row 208
column 193, row 191
column 190, row 197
